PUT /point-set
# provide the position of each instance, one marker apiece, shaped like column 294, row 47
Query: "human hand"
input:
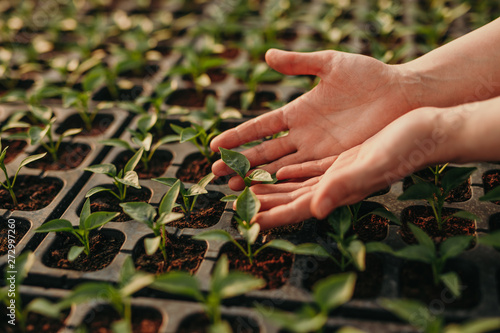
column 356, row 97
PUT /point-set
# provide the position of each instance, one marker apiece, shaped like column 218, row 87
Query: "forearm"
column 462, row 71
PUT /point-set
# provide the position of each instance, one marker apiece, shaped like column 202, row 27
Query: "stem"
column 127, row 312
column 163, row 243
column 435, row 274
column 13, row 196
column 86, row 242
column 436, row 215
column 250, row 253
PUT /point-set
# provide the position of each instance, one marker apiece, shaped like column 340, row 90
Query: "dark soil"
column 195, row 167
column 16, row 147
column 32, row 193
column 99, row 125
column 105, row 201
column 144, row 320
column 34, row 323
column 21, row 228
column 216, row 75
column 142, row 72
column 494, row 222
column 491, row 179
column 123, row 94
column 70, row 156
column 183, row 254
column 275, row 233
column 270, row 264
column 229, row 53
column 104, row 246
column 208, row 211
column 157, row 166
column 288, row 35
column 459, row 194
column 199, row 323
column 189, row 97
column 417, row 283
column 423, row 217
column 368, row 282
column 258, row 104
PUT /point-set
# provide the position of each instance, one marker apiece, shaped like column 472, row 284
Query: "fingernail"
column 324, row 207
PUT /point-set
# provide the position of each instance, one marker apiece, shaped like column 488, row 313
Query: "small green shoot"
column 88, row 222
column 240, row 164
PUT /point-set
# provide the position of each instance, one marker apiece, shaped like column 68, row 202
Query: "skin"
column 354, row 133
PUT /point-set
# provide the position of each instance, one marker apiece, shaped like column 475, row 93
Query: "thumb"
column 298, row 63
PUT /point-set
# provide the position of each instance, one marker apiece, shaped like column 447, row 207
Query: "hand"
column 356, row 97
column 415, row 140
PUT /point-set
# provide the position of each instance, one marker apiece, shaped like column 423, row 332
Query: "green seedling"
column 328, row 294
column 120, row 296
column 493, row 195
column 88, row 222
column 122, row 179
column 17, row 313
column 428, row 252
column 145, row 213
column 224, row 284
column 492, row 239
column 9, row 184
column 32, row 97
column 143, row 138
column 436, row 196
column 421, row 317
column 240, row 164
column 189, row 195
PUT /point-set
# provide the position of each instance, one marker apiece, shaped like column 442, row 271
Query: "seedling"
column 88, row 222
column 428, row 252
column 420, row 316
column 493, row 195
column 240, row 164
column 328, row 294
column 224, row 284
column 10, row 296
column 8, row 184
column 119, row 296
column 492, row 239
column 145, row 213
column 143, row 138
column 189, row 195
column 122, row 179
column 436, row 196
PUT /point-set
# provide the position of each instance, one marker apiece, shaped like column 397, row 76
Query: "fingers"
column 298, row 63
column 293, row 212
column 306, row 169
column 261, row 189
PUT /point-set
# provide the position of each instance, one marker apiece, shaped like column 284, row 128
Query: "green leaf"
column 417, row 253
column 311, row 249
column 493, row 195
column 221, row 270
column 199, row 188
column 90, row 291
column 24, row 262
column 455, row 177
column 188, row 134
column 246, row 99
column 260, row 175
column 453, row 246
column 179, row 283
column 71, row 132
column 306, row 320
column 121, row 326
column 492, row 239
column 85, row 213
column 140, row 211
column 349, row 329
column 167, row 139
column 382, row 212
column 406, row 310
column 476, row 326
column 420, row 191
column 422, row 237
column 214, row 235
column 236, row 161
column 95, row 190
column 93, row 79
column 137, row 282
column 378, row 247
column 247, row 205
column 166, row 181
column 177, row 129
column 151, row 245
column 357, row 251
column 334, row 291
column 237, row 283
column 132, row 163
column 250, row 234
column 221, row 327
column 229, row 198
column 117, row 143
column 166, row 218
column 30, row 159
column 44, row 307
column 168, row 201
column 340, row 220
column 282, row 244
column 41, row 113
column 98, row 219
column 463, row 214
column 74, row 252
column 127, row 271
column 2, row 155
column 107, row 169
column 452, row 282
column 130, row 179
column 146, row 122
column 56, row 226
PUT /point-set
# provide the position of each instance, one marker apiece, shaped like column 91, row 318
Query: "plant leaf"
column 132, row 163
column 71, row 132
column 130, row 179
column 406, row 309
column 188, row 134
column 422, row 237
column 476, row 326
column 378, row 247
column 166, row 181
column 30, row 159
column 237, row 283
column 166, row 218
column 311, row 249
column 417, row 253
column 357, row 251
column 146, row 122
column 199, row 188
column 260, row 175
column 168, row 201
column 250, row 234
column 382, row 212
column 121, row 326
column 453, row 246
column 420, row 191
column 98, row 219
column 117, row 143
column 229, row 198
column 221, row 270
column 177, row 129
column 95, row 190
column 236, row 161
column 455, row 177
column 493, row 195
column 452, row 282
column 151, row 245
column 74, row 252
column 282, row 244
column 55, row 226
column 137, row 282
column 247, row 205
column 44, row 307
column 492, row 239
column 334, row 291
column 179, row 283
column 214, row 235
column 107, row 169
column 140, row 211
column 463, row 214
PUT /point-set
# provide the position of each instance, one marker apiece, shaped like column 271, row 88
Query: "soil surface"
column 368, row 282
column 270, row 264
column 199, row 323
column 105, row 201
column 157, row 166
column 21, row 228
column 491, row 179
column 104, row 246
column 193, row 168
column 417, row 283
column 34, row 323
column 144, row 320
column 123, row 94
column 16, row 147
column 258, row 104
column 32, row 193
column 99, row 125
column 423, row 217
column 189, row 97
column 183, row 254
column 216, row 75
column 208, row 211
column 275, row 233
column 459, row 194
column 70, row 156
column 494, row 222
column 229, row 53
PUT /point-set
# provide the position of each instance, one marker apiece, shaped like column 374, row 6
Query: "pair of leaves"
column 194, row 190
column 240, row 164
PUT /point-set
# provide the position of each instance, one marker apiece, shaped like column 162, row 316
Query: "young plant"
column 122, row 179
column 145, row 213
column 189, row 195
column 420, row 316
column 240, row 164
column 436, row 196
column 10, row 296
column 143, row 138
column 8, row 184
column 428, row 252
column 224, row 284
column 119, row 296
column 328, row 294
column 88, row 222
